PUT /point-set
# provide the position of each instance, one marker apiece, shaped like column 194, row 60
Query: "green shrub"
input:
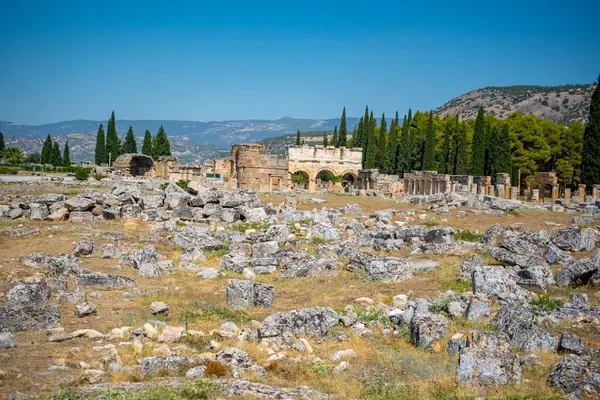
column 468, row 236
column 547, row 304
column 82, row 174
column 514, row 213
column 204, row 389
column 321, row 369
column 317, row 240
column 430, row 224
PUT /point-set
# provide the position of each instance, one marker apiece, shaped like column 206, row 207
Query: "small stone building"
column 133, row 164
column 371, row 179
column 252, row 168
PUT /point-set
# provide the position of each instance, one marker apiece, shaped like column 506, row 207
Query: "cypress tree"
column 334, row 139
column 2, row 145
column 455, row 144
column 503, row 152
column 478, row 150
column 343, row 135
column 100, row 156
column 382, row 162
column 55, row 155
column 403, row 157
column 325, row 140
column 462, row 156
column 298, row 138
column 113, row 144
column 590, row 160
column 371, row 155
column 445, row 159
column 358, row 137
column 392, row 148
column 147, row 145
column 47, row 151
column 364, row 135
column 66, row 155
column 161, row 145
column 351, row 143
column 429, row 152
column 130, row 146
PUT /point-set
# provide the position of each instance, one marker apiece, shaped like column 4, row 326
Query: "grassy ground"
column 386, row 367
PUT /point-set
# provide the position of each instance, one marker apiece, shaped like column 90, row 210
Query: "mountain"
column 83, row 145
column 216, row 133
column 556, row 103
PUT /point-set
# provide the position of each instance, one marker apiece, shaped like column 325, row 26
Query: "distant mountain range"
column 195, row 141
column 556, row 103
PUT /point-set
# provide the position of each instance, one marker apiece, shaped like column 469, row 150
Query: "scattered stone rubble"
column 511, row 261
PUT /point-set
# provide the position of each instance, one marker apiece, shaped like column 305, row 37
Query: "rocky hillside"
column 82, row 146
column 556, row 103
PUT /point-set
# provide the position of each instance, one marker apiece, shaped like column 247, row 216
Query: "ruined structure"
column 253, row 168
column 170, row 168
column 311, row 160
column 133, row 164
column 371, row 179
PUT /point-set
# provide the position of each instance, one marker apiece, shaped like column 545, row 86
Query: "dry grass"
column 410, row 372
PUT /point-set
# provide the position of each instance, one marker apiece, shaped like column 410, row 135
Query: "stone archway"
column 325, row 177
column 349, row 180
column 306, row 183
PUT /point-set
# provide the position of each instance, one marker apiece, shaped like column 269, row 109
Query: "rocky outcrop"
column 576, row 377
column 289, row 325
column 244, row 294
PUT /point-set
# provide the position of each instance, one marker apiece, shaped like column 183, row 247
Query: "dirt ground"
column 379, row 359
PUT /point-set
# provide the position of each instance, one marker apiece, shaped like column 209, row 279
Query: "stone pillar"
column 596, row 192
column 514, row 191
column 568, row 195
column 500, row 190
column 554, row 193
column 581, row 192
column 535, row 195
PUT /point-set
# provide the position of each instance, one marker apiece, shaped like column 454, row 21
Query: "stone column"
column 535, row 195
column 596, row 192
column 568, row 195
column 581, row 192
column 500, row 190
column 554, row 193
column 473, row 188
column 514, row 191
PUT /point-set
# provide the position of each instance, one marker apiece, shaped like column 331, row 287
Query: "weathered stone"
column 60, row 214
column 170, row 365
column 83, row 247
column 36, row 260
column 492, row 281
column 440, row 236
column 157, row 269
column 254, row 214
column 39, row 212
column 576, row 239
column 555, row 255
column 309, row 266
column 112, row 212
column 323, row 232
column 159, row 307
column 192, row 237
column 29, row 293
column 487, row 360
column 264, row 249
column 578, row 272
column 576, row 377
column 83, row 309
column 15, row 319
column 79, row 203
column 151, row 201
column 63, row 264
column 130, row 212
column 50, row 198
column 307, row 322
column 7, row 341
column 243, row 294
column 570, row 343
column 81, row 216
column 456, row 343
column 239, row 360
column 519, row 324
column 390, row 269
column 105, row 281
column 477, row 310
column 427, row 330
column 536, row 276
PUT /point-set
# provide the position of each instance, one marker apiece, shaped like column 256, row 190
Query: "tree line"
column 109, row 147
column 484, row 146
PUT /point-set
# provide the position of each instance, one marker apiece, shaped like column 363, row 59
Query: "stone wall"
column 254, row 169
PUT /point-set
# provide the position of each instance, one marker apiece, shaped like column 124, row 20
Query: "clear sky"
column 215, row 60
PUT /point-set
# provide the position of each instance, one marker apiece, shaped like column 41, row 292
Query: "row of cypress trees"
column 51, row 153
column 403, row 148
column 111, row 144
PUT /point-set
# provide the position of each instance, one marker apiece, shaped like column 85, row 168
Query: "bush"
column 203, row 389
column 547, row 304
column 82, row 174
column 468, row 236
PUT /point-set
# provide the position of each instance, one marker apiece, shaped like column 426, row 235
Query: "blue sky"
column 218, row 60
